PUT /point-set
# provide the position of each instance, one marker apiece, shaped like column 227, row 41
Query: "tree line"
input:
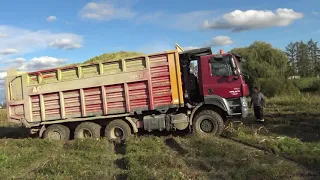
column 303, row 58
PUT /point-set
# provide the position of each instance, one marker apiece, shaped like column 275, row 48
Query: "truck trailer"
column 118, row 98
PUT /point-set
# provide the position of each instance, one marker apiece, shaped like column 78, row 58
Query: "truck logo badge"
column 136, row 76
column 235, row 92
column 36, row 89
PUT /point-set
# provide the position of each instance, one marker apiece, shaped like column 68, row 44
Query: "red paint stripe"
column 48, row 76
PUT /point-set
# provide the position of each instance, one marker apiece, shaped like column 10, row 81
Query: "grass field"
column 286, row 146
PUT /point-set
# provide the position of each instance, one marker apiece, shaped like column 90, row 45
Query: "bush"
column 309, row 84
column 3, row 115
column 315, row 86
column 277, row 86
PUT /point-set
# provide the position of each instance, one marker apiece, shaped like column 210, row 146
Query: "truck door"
column 218, row 76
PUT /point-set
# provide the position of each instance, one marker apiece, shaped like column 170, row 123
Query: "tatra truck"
column 118, row 98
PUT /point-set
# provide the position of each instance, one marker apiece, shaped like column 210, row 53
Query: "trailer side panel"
column 96, row 89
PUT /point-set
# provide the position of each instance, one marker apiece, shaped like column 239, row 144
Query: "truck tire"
column 57, row 132
column 208, row 122
column 118, row 130
column 87, row 130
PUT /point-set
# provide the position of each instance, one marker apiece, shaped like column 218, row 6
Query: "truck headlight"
column 244, row 101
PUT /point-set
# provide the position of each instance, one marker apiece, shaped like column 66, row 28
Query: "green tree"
column 304, row 61
column 291, row 52
column 266, row 66
column 313, row 51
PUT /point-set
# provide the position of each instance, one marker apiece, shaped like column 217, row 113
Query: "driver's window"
column 220, row 69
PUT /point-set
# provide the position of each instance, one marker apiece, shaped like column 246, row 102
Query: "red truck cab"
column 221, row 76
column 220, row 82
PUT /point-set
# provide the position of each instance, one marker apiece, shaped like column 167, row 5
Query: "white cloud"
column 19, row 60
column 254, row 19
column 220, row 41
column 34, row 64
column 51, row 18
column 21, row 64
column 26, row 40
column 3, row 75
column 105, row 11
column 2, row 92
column 112, row 10
column 3, row 35
column 15, row 61
column 66, row 43
column 8, row 51
column 43, row 62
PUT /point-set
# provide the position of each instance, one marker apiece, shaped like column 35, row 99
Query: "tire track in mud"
column 122, row 163
column 174, row 145
column 271, row 152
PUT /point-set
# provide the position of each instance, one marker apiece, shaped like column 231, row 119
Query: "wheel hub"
column 206, row 126
column 87, row 133
column 54, row 135
column 118, row 133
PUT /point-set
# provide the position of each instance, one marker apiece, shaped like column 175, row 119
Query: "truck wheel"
column 118, row 130
column 57, row 132
column 87, row 130
column 208, row 122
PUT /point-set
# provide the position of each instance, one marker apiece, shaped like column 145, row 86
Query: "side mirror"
column 233, row 64
column 236, row 73
column 242, row 60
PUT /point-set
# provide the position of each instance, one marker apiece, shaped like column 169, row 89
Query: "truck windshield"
column 221, row 66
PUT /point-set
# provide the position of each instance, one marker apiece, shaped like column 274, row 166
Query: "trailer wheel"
column 118, row 130
column 208, row 122
column 57, row 132
column 87, row 130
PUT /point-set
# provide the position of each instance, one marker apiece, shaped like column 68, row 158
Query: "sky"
column 41, row 34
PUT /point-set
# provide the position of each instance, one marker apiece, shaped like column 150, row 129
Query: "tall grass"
column 43, row 159
column 304, row 99
column 151, row 157
column 304, row 103
column 305, row 153
column 291, row 129
column 195, row 157
column 3, row 115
